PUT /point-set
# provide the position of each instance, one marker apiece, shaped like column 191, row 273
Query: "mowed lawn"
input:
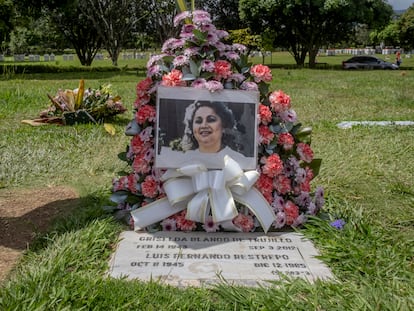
column 367, row 173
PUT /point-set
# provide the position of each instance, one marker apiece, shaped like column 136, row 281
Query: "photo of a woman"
column 209, row 132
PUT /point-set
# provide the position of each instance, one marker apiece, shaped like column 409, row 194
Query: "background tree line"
column 300, row 26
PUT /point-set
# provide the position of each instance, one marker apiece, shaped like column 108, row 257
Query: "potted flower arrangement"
column 200, row 58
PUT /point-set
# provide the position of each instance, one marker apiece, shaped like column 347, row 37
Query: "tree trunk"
column 312, row 58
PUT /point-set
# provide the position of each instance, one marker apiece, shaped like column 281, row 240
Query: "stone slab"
column 200, row 258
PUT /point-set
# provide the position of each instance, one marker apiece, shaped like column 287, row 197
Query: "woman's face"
column 207, row 129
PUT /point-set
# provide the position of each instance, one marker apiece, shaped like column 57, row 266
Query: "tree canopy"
column 304, row 26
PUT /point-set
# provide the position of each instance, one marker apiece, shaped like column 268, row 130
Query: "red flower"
column 279, row 101
column 265, row 114
column 149, row 187
column 265, row 186
column 173, row 78
column 265, row 135
column 273, row 165
column 143, row 86
column 305, row 152
column 291, row 212
column 184, row 224
column 282, row 184
column 261, row 73
column 286, row 140
column 244, row 222
column 140, row 165
column 222, row 69
column 146, row 113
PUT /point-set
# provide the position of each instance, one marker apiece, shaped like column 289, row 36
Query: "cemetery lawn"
column 54, row 181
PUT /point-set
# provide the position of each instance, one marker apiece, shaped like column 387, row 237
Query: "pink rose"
column 265, row 135
column 261, row 73
column 286, row 140
column 292, row 212
column 146, row 113
column 222, row 69
column 273, row 165
column 279, row 101
column 305, row 152
column 244, row 222
column 173, row 78
column 265, row 114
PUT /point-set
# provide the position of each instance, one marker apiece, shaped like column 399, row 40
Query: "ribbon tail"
column 153, row 213
column 222, row 204
column 256, row 203
column 197, row 207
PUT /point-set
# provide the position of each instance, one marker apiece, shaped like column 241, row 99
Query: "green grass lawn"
column 367, row 173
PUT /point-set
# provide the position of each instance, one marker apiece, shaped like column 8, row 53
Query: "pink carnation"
column 282, row 184
column 265, row 135
column 244, row 222
column 173, row 78
column 184, row 224
column 149, row 187
column 273, row 165
column 146, row 113
column 292, row 212
column 279, row 101
column 305, row 152
column 261, row 73
column 265, row 185
column 143, row 86
column 286, row 140
column 140, row 165
column 265, row 114
column 222, row 69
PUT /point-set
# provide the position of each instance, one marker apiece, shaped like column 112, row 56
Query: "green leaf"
column 315, row 165
column 119, row 197
column 122, row 156
column 194, row 68
column 189, row 77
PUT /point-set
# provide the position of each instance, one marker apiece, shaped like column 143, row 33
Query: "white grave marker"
column 200, row 258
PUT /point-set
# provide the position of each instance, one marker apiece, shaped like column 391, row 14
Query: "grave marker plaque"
column 200, row 258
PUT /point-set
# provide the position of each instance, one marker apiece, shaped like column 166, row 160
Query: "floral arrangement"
column 200, row 58
column 100, row 104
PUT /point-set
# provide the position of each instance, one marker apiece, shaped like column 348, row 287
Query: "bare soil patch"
column 26, row 213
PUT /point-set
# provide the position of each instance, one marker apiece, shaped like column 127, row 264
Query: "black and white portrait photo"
column 198, row 126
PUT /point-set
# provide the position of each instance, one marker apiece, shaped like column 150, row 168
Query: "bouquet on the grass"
column 201, row 58
column 83, row 105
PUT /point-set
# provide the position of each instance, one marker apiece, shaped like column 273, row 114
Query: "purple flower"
column 213, row 86
column 191, row 51
column 169, row 224
column 288, row 115
column 180, row 60
column 180, row 17
column 280, row 221
column 249, row 86
column 338, row 224
column 201, row 17
column 319, row 197
column 207, row 65
column 210, row 226
column 199, row 83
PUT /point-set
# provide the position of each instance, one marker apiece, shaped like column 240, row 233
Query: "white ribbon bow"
column 199, row 190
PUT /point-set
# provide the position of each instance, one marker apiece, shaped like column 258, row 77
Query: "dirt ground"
column 26, row 213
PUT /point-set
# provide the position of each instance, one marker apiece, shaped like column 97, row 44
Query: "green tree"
column 224, row 13
column 114, row 21
column 304, row 26
column 406, row 28
column 6, row 21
